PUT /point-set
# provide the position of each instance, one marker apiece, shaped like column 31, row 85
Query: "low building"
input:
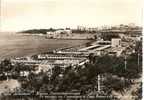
column 116, row 42
column 116, row 51
column 59, row 34
column 50, row 34
column 44, row 68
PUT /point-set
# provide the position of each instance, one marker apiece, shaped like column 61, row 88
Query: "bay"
column 16, row 45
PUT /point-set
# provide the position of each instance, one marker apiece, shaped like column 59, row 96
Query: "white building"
column 116, row 42
column 45, row 68
column 51, row 34
column 59, row 34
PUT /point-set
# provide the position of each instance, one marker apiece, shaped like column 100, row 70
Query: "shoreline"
column 59, row 38
column 18, row 45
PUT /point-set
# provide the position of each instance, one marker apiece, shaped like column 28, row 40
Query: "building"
column 44, row 67
column 116, row 42
column 116, row 51
column 59, row 33
column 51, row 34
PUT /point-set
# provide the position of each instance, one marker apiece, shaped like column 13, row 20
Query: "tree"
column 6, row 65
column 91, row 57
column 56, row 71
column 116, row 83
column 109, row 36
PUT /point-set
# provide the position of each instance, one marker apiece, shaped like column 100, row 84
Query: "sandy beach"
column 13, row 45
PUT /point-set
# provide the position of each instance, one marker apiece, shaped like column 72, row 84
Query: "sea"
column 18, row 44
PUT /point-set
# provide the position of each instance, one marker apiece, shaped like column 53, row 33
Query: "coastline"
column 20, row 45
column 75, row 37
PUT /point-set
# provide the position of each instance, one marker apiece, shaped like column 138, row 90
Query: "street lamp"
column 125, row 62
column 99, row 89
column 138, row 61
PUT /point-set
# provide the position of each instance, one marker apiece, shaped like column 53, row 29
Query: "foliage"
column 83, row 78
column 37, row 31
column 109, row 36
column 116, row 83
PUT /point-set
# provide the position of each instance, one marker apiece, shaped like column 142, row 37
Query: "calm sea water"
column 14, row 45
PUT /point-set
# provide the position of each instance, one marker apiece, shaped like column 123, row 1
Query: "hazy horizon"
column 36, row 14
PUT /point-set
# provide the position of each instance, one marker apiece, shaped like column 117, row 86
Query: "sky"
column 17, row 15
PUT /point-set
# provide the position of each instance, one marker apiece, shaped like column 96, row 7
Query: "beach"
column 16, row 45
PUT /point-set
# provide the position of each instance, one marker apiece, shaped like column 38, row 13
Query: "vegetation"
column 38, row 31
column 8, row 70
column 83, row 78
column 138, row 93
column 109, row 36
column 116, row 74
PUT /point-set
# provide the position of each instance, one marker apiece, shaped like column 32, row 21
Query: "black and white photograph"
column 71, row 49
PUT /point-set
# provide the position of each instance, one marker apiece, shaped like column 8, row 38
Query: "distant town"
column 82, row 32
column 109, row 67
